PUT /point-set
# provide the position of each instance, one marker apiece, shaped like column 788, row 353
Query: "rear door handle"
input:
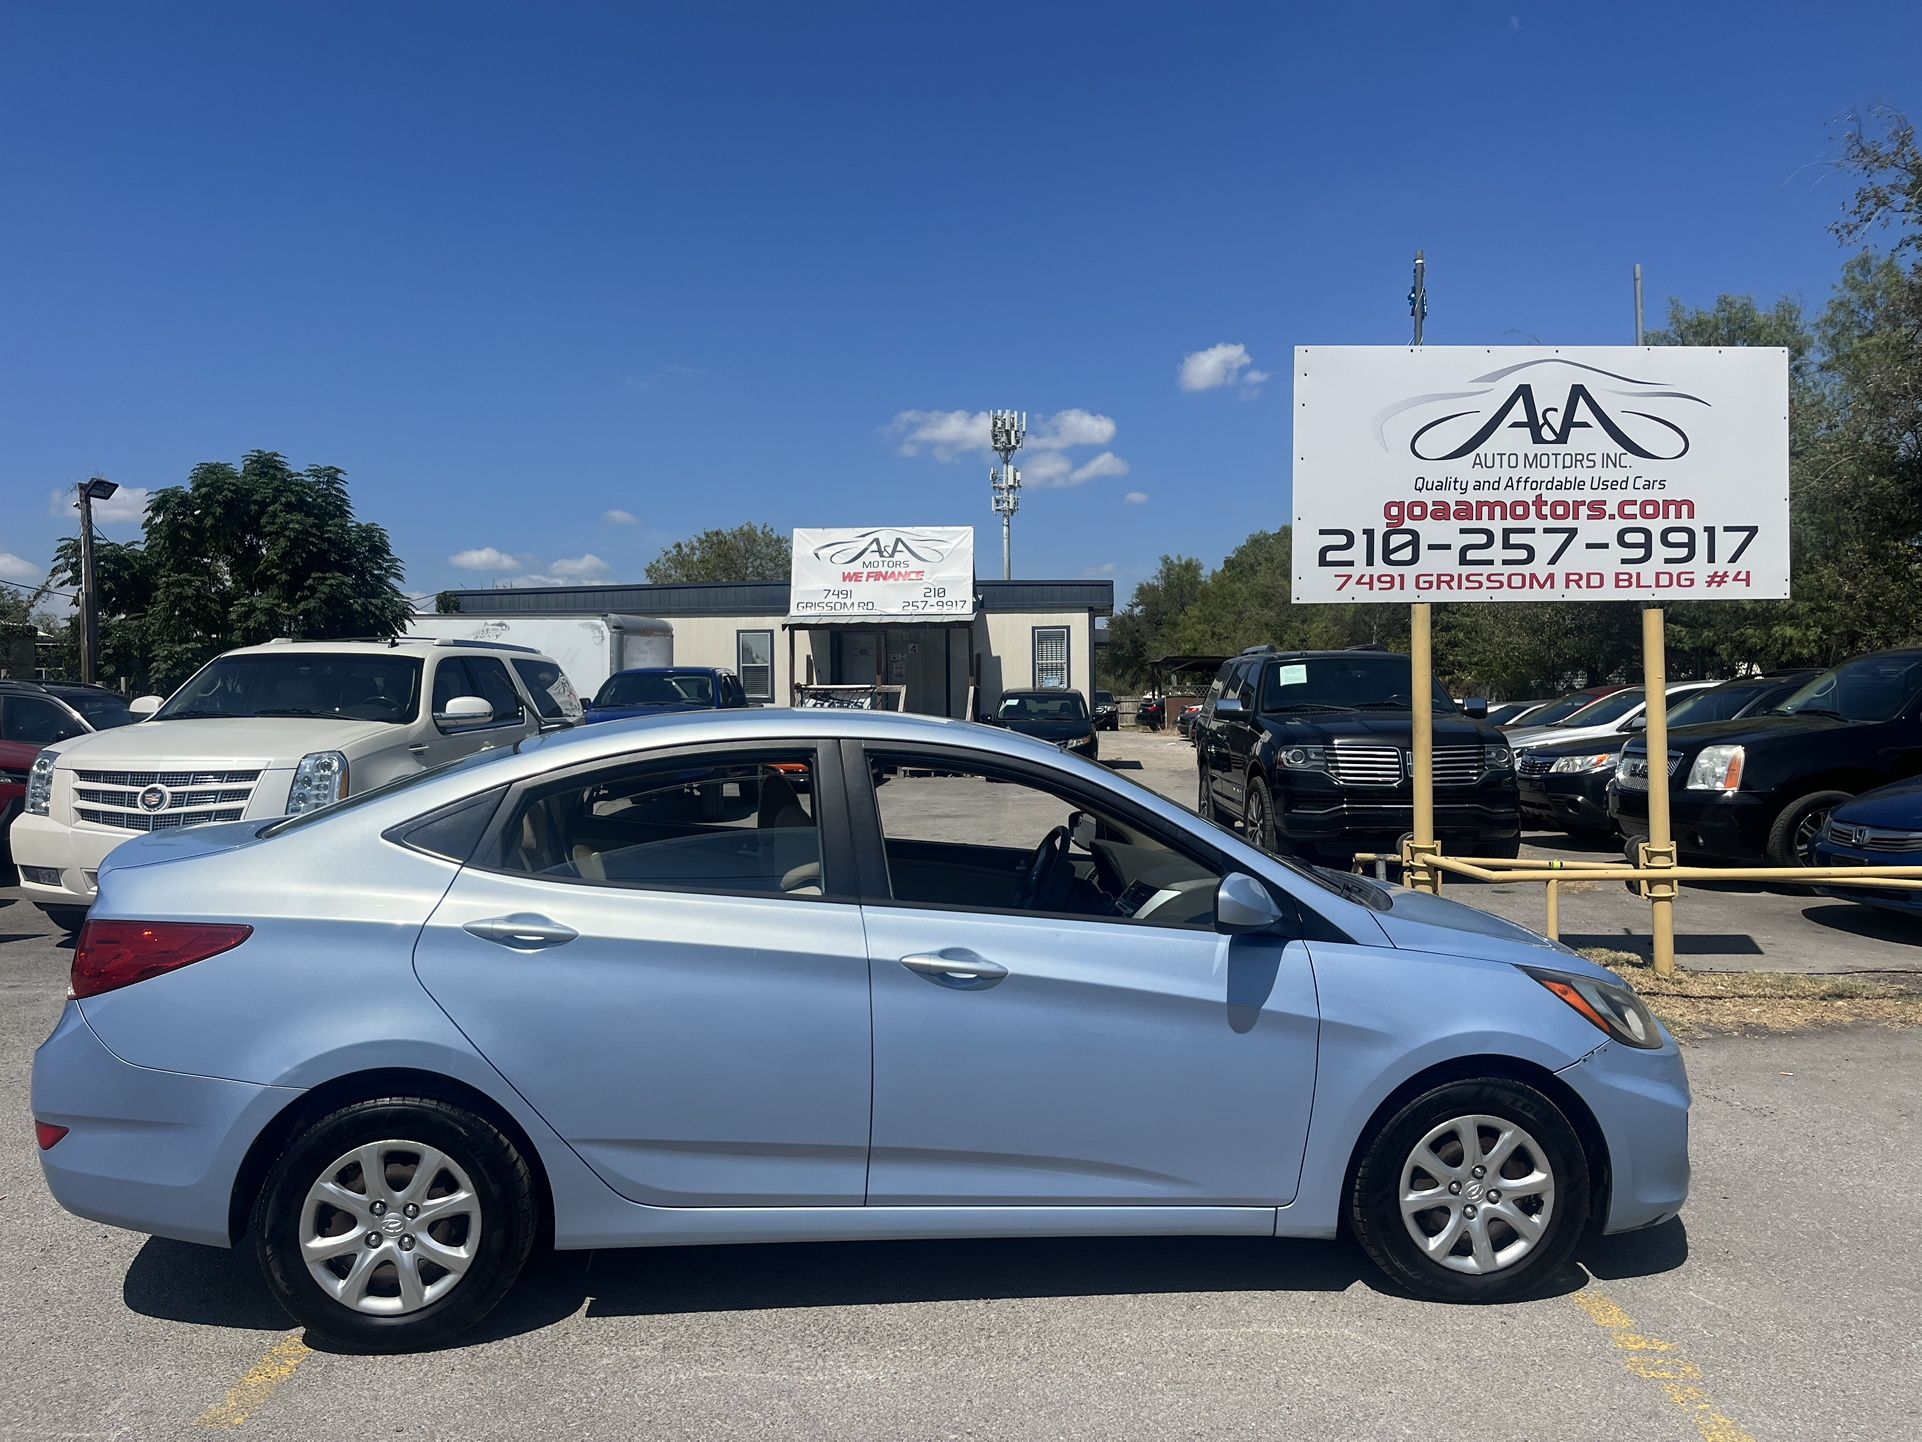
column 523, row 931
column 956, row 967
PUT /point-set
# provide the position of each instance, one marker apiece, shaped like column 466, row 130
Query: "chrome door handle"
column 524, row 931
column 956, row 967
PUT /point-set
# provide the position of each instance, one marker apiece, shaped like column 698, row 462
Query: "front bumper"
column 1725, row 825
column 1463, row 828
column 1640, row 1099
column 1829, row 853
column 152, row 1151
column 72, row 853
column 1571, row 800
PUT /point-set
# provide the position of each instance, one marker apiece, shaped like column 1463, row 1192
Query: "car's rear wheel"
column 1792, row 838
column 1258, row 814
column 1476, row 1191
column 395, row 1224
column 1204, row 795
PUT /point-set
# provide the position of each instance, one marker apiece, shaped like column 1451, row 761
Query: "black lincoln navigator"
column 1309, row 752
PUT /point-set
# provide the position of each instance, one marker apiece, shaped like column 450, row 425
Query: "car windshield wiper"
column 1817, row 711
column 1311, row 706
column 290, row 711
column 1382, row 706
column 190, row 715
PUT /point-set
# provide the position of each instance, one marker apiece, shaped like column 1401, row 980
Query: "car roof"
column 1040, row 691
column 418, row 646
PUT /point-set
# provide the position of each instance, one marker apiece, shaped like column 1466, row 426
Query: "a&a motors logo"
column 884, row 547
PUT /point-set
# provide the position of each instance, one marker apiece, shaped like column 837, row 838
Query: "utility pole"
column 1638, row 303
column 1418, row 295
column 1008, row 429
column 95, row 488
column 1421, row 666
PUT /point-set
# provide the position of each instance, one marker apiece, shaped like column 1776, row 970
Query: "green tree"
column 1141, row 630
column 747, row 552
column 239, row 555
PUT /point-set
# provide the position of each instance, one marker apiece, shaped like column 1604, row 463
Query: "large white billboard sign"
column 1512, row 473
column 912, row 573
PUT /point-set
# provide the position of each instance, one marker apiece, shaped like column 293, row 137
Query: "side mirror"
column 1636, row 723
column 144, row 706
column 1244, row 904
column 1475, row 708
column 465, row 711
column 1228, row 706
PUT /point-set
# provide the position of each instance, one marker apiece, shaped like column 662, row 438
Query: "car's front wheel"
column 394, row 1224
column 1475, row 1191
column 1258, row 814
column 1791, row 840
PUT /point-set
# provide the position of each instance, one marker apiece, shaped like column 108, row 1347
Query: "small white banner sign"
column 1517, row 473
column 891, row 573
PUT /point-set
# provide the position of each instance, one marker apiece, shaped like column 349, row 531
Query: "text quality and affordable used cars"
column 794, row 975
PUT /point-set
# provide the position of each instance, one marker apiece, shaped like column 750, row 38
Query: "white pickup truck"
column 270, row 730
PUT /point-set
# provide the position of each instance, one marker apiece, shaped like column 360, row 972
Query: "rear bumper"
column 72, row 853
column 152, row 1151
column 1640, row 1099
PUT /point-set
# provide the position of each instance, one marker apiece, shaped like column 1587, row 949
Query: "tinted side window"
column 36, row 721
column 497, row 689
column 451, row 680
column 547, row 684
column 740, row 825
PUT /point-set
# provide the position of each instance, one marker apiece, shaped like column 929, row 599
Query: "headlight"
column 1497, row 758
column 1718, row 768
column 320, row 780
column 1303, row 758
column 40, row 784
column 1608, row 1006
column 1600, row 761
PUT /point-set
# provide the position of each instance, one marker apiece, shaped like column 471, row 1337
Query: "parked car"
column 1152, row 713
column 1882, row 827
column 1563, row 776
column 1056, row 716
column 388, row 1044
column 1513, row 713
column 1553, row 712
column 1760, row 788
column 264, row 731
column 1185, row 722
column 1308, row 752
column 662, row 690
column 36, row 714
column 1107, row 715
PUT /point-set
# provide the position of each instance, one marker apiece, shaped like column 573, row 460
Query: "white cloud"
column 125, row 507
column 18, row 568
column 484, row 558
column 1102, row 466
column 619, row 517
column 947, row 434
column 1066, row 429
column 580, row 566
column 1136, row 498
column 1227, row 364
column 532, row 578
column 1047, row 469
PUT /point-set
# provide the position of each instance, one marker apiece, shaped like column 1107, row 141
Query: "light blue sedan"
column 791, row 975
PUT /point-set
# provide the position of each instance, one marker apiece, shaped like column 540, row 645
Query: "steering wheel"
column 1044, row 869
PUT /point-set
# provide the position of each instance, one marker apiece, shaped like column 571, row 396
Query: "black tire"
column 1795, row 830
column 1375, row 1200
column 1258, row 813
column 68, row 918
column 1204, row 798
column 501, row 1184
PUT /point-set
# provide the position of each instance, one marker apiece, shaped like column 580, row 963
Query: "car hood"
column 628, row 713
column 1897, row 807
column 1746, row 731
column 225, row 741
column 1047, row 730
column 1416, row 921
column 1581, row 742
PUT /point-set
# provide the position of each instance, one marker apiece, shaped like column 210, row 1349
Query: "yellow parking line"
column 261, row 1381
column 1655, row 1360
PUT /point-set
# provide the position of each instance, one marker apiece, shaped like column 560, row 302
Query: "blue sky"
column 518, row 267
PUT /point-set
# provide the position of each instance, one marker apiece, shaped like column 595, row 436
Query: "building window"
column 1051, row 657
column 754, row 663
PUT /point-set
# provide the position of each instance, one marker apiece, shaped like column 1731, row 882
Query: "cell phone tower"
column 1009, row 429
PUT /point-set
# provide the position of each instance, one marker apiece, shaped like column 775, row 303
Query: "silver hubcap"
column 390, row 1227
column 1477, row 1194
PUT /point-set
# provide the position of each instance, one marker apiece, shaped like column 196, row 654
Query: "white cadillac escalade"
column 270, row 730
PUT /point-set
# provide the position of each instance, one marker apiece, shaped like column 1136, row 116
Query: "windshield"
column 103, row 712
column 1104, row 698
column 356, row 686
column 657, row 688
column 1556, row 712
column 1876, row 688
column 1718, row 703
column 1063, row 706
column 1343, row 683
column 1609, row 708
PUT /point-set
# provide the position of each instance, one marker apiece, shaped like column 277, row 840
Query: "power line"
column 45, row 591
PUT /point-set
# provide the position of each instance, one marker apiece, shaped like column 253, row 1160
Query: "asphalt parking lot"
column 1784, row 1304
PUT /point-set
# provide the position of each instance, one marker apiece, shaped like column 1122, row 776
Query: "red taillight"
column 113, row 954
column 46, row 1133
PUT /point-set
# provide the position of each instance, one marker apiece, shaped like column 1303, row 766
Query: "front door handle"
column 956, row 967
column 524, row 931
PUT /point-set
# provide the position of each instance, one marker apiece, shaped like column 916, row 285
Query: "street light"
column 94, row 488
column 1007, row 430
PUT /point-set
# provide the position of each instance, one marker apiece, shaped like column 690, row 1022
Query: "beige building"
column 1022, row 634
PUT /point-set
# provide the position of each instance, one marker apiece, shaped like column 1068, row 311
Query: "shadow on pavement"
column 1856, row 919
column 207, row 1286
column 1636, row 1254
column 1699, row 943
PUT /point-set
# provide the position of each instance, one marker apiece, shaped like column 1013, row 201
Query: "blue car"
column 635, row 985
column 1882, row 827
column 663, row 691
